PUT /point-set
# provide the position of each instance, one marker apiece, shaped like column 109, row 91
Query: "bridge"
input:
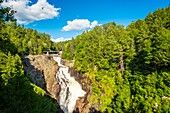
column 52, row 52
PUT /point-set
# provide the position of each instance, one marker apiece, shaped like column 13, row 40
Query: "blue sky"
column 50, row 16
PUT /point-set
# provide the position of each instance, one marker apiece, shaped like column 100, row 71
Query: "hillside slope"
column 129, row 67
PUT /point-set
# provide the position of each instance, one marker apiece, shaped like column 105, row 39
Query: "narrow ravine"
column 71, row 90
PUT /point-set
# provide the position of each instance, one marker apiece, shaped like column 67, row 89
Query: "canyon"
column 50, row 74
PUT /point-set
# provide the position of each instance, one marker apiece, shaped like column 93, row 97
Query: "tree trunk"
column 122, row 62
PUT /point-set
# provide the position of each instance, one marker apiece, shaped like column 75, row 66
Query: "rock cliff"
column 42, row 70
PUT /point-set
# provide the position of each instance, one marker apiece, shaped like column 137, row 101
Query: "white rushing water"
column 70, row 88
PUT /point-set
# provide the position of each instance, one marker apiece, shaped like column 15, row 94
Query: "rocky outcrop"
column 42, row 71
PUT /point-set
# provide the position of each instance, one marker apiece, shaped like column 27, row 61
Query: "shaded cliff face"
column 42, row 71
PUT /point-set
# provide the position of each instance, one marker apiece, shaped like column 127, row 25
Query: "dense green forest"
column 129, row 67
column 22, row 41
column 17, row 93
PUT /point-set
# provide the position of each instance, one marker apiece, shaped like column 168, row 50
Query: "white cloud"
column 61, row 39
column 26, row 14
column 94, row 23
column 79, row 24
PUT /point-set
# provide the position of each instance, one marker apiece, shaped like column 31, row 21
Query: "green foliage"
column 10, row 67
column 17, row 94
column 25, row 41
column 129, row 67
column 69, row 50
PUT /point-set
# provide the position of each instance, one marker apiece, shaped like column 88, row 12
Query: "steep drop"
column 70, row 89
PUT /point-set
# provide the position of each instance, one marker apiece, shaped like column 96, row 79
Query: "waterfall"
column 70, row 89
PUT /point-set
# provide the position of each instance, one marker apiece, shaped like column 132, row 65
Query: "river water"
column 71, row 90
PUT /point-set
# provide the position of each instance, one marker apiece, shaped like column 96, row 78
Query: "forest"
column 129, row 66
column 17, row 93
